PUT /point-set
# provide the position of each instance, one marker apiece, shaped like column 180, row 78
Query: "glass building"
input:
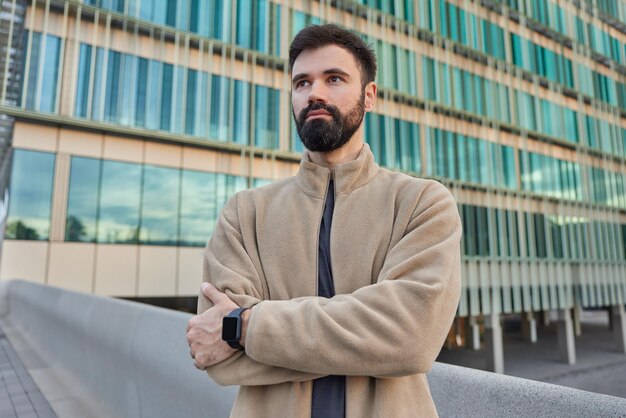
column 126, row 124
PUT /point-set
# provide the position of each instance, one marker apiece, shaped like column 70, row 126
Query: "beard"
column 321, row 135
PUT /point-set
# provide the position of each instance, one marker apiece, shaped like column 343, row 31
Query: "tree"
column 18, row 230
column 74, row 229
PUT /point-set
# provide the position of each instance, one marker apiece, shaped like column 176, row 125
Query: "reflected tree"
column 74, row 229
column 19, row 230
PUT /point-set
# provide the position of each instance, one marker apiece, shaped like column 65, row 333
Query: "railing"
column 132, row 360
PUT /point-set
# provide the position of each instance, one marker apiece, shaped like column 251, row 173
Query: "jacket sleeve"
column 394, row 327
column 228, row 266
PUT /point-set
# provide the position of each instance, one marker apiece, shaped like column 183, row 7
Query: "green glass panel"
column 159, row 206
column 82, row 89
column 82, row 202
column 120, row 196
column 242, row 113
column 30, row 195
column 266, row 117
column 42, row 73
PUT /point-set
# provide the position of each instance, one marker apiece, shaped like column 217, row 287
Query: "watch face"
column 229, row 329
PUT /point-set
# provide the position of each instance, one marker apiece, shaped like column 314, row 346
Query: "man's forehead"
column 319, row 60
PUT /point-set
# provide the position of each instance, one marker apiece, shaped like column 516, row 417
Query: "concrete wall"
column 131, row 357
column 134, row 361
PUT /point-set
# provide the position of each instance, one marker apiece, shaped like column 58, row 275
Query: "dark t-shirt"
column 329, row 393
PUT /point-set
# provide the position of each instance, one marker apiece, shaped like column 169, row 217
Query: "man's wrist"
column 245, row 317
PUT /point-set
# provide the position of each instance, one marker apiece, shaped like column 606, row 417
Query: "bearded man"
column 329, row 294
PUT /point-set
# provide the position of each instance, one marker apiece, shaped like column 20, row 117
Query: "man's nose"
column 317, row 93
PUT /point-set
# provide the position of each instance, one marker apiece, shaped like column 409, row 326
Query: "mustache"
column 319, row 106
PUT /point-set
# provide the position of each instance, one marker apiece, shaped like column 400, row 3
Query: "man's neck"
column 349, row 152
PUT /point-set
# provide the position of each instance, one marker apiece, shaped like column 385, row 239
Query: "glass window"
column 190, row 106
column 159, row 206
column 408, row 146
column 374, row 124
column 142, row 92
column 266, row 117
column 473, row 160
column 244, row 24
column 82, row 202
column 513, row 233
column 82, row 90
column 177, row 116
column 41, row 86
column 556, row 234
column 99, row 89
column 540, row 235
column 129, row 89
column 112, row 88
column 202, row 197
column 119, row 203
column 33, row 70
column 179, row 10
column 296, row 143
column 167, row 86
column 30, row 195
column 623, row 230
column 450, row 155
column 241, row 114
column 482, row 231
column 428, row 69
column 219, row 107
column 155, row 70
column 223, row 11
column 508, row 160
column 199, row 209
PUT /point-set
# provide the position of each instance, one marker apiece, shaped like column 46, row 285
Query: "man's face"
column 327, row 97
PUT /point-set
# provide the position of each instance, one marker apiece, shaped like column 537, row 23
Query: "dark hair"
column 316, row 36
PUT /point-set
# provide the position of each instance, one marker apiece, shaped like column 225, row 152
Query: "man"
column 351, row 272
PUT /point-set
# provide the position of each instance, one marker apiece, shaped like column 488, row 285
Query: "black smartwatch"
column 231, row 328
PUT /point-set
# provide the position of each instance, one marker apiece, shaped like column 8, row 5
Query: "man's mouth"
column 319, row 113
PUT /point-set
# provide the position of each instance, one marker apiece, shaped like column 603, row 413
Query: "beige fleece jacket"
column 395, row 259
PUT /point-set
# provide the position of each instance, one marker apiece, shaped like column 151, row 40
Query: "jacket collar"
column 313, row 179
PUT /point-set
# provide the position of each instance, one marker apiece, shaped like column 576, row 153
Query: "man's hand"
column 204, row 331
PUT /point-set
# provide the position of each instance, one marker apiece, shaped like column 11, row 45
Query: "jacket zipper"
column 319, row 228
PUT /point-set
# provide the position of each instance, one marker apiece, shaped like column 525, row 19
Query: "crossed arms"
column 394, row 327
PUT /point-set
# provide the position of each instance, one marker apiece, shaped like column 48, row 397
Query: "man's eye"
column 335, row 79
column 301, row 83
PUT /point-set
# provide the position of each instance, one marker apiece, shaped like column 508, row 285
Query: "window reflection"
column 119, row 203
column 198, row 209
column 159, row 207
column 30, row 195
column 255, row 19
column 41, row 86
column 460, row 157
column 402, row 153
column 134, row 91
column 82, row 205
column 267, row 118
column 203, row 196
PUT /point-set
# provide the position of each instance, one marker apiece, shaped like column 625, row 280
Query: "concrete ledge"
column 132, row 360
column 463, row 392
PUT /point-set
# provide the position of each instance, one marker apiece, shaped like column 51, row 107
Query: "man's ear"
column 370, row 96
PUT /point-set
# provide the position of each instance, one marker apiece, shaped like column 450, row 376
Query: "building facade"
column 127, row 125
